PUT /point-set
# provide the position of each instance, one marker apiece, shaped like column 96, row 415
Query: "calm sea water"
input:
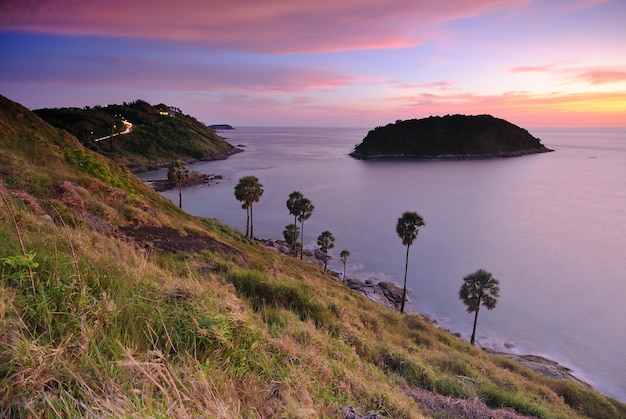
column 551, row 227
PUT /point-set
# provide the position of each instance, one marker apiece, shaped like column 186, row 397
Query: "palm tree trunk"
column 295, row 242
column 301, row 237
column 344, row 272
column 474, row 329
column 406, row 268
column 247, row 221
column 251, row 223
column 180, row 196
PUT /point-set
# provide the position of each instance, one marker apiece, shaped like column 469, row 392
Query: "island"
column 450, row 137
column 220, row 127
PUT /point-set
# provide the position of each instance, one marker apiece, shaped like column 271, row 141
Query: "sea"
column 550, row 227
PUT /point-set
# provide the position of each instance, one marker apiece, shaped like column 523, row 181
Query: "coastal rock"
column 543, row 366
column 320, row 255
column 385, row 293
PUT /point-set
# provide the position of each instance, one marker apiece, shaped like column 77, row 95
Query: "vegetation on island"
column 448, row 137
column 115, row 303
column 138, row 134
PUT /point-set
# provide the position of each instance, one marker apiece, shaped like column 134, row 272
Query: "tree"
column 293, row 205
column 344, row 258
column 305, row 210
column 408, row 228
column 178, row 173
column 291, row 234
column 326, row 241
column 479, row 287
column 248, row 191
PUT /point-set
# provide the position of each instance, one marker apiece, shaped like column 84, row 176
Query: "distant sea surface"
column 551, row 227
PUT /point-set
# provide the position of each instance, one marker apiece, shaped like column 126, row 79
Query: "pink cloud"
column 271, row 26
column 532, row 68
column 591, row 75
column 435, row 85
column 602, row 76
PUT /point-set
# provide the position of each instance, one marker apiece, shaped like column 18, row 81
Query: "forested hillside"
column 138, row 134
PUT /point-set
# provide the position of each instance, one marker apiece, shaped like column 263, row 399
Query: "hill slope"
column 448, row 137
column 99, row 317
column 158, row 134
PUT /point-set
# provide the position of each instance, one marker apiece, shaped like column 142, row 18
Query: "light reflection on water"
column 551, row 227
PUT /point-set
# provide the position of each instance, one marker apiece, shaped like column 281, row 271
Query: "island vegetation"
column 139, row 135
column 116, row 303
column 448, row 137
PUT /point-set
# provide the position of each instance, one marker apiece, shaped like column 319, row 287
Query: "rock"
column 350, row 413
column 392, row 291
column 320, row 255
column 543, row 366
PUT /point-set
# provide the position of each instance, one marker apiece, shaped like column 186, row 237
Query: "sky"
column 353, row 63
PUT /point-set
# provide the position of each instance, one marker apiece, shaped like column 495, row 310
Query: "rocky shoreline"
column 450, row 157
column 159, row 165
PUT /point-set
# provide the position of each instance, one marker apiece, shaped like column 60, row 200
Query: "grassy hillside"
column 159, row 133
column 450, row 136
column 94, row 324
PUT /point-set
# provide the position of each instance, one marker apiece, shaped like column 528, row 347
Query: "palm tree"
column 293, row 202
column 178, row 173
column 248, row 190
column 291, row 234
column 305, row 210
column 344, row 258
column 408, row 229
column 326, row 241
column 479, row 287
column 293, row 205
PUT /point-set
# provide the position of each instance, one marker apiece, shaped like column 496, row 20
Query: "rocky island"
column 452, row 137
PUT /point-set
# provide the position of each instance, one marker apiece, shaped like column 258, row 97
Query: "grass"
column 94, row 326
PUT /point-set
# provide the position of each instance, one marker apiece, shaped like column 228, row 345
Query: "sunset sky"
column 358, row 63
